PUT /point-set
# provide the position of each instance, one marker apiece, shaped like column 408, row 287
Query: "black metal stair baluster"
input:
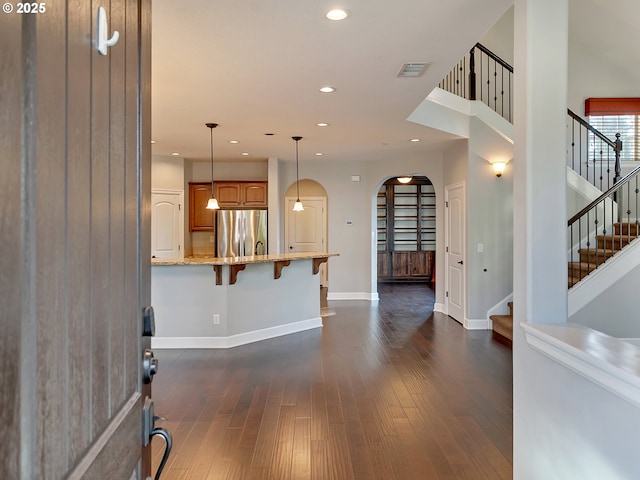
column 636, row 205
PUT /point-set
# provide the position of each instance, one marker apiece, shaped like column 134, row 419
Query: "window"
column 628, row 128
column 615, row 115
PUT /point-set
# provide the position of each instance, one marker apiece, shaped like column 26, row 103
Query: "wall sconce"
column 498, row 168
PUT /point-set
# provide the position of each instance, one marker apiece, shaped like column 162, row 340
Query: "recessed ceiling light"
column 245, row 154
column 327, row 89
column 319, row 154
column 153, row 141
column 337, row 14
column 415, row 139
column 175, row 154
column 323, row 124
column 233, row 141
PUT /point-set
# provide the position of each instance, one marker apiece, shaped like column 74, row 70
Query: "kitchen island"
column 225, row 302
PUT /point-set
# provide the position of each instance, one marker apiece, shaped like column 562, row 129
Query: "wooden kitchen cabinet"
column 230, row 194
column 241, row 194
column 254, row 194
column 200, row 219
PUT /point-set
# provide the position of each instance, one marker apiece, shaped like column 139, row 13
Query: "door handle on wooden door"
column 150, row 430
column 461, row 262
column 149, row 369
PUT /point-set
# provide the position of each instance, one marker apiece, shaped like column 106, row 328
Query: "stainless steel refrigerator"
column 241, row 233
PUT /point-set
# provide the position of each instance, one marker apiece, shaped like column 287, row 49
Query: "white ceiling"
column 255, row 67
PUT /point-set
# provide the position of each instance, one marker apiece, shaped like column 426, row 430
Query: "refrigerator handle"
column 243, row 242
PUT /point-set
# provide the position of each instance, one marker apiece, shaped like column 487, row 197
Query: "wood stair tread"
column 503, row 324
column 596, row 250
column 606, row 246
column 582, row 266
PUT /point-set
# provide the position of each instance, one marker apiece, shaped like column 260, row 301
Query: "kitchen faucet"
column 259, row 243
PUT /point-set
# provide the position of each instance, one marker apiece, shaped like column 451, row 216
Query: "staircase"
column 590, row 258
column 607, row 247
column 590, row 154
column 503, row 325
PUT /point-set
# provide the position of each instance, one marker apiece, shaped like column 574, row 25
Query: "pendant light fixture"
column 297, row 207
column 212, row 204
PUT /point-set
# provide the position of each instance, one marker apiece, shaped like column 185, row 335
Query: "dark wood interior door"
column 75, row 236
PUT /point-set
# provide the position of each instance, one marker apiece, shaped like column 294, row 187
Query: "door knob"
column 149, row 366
column 460, row 262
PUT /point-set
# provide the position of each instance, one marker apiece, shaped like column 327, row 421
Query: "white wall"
column 593, row 76
column 167, row 172
column 571, row 428
column 614, row 311
column 500, row 38
column 489, row 221
column 353, row 273
column 201, row 171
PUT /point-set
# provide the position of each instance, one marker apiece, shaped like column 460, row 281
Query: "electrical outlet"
column 216, row 319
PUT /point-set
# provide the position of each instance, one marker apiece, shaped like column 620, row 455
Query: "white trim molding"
column 235, row 340
column 439, row 307
column 609, row 362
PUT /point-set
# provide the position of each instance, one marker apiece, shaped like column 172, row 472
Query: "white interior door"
column 455, row 248
column 167, row 224
column 306, row 231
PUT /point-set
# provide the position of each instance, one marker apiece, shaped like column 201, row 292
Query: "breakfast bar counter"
column 213, row 302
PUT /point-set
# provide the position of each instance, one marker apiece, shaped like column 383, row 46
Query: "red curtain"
column 612, row 106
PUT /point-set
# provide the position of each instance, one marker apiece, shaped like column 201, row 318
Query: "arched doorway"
column 406, row 230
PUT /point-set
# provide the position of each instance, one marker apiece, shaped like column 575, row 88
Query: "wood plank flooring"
column 386, row 391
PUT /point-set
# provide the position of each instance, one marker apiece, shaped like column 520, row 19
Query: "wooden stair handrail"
column 606, row 194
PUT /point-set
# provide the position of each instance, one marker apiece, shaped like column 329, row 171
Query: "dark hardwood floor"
column 387, row 391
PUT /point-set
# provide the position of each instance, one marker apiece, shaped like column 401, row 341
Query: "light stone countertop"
column 241, row 260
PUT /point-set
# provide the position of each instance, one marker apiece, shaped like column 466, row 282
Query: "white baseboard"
column 235, row 340
column 439, row 307
column 477, row 324
column 372, row 296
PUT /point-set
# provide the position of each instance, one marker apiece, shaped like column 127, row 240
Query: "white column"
column 540, row 219
column 274, row 201
column 540, row 216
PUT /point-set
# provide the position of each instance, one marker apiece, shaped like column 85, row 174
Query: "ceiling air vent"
column 414, row 69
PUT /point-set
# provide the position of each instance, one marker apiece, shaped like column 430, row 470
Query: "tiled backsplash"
column 202, row 244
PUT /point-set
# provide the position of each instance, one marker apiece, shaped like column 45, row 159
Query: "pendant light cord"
column 211, row 131
column 211, row 126
column 297, row 175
